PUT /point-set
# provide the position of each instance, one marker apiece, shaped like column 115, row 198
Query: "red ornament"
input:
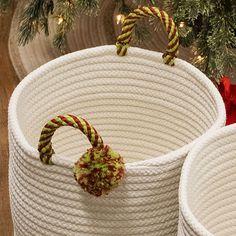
column 228, row 92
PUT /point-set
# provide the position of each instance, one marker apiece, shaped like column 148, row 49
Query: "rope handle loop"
column 99, row 169
column 45, row 142
column 124, row 38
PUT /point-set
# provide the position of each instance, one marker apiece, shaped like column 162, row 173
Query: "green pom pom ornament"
column 99, row 170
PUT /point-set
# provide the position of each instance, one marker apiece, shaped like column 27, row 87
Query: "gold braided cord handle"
column 45, row 142
column 124, row 38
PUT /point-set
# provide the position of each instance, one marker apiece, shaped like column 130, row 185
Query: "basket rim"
column 170, row 157
column 184, row 179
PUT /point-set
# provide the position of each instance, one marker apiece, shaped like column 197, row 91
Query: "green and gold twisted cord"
column 124, row 38
column 99, row 170
column 45, row 143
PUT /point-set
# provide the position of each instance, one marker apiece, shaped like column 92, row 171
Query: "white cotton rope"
column 149, row 112
column 208, row 187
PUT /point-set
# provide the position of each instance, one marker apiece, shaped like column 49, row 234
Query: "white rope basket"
column 208, row 187
column 149, row 112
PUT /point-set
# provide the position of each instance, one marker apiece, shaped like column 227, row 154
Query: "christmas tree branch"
column 209, row 26
column 34, row 20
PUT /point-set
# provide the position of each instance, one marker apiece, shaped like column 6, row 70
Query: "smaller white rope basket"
column 151, row 113
column 208, row 186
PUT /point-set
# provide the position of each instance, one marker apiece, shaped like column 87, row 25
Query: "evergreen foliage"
column 207, row 27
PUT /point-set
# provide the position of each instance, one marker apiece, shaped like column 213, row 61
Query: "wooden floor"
column 8, row 81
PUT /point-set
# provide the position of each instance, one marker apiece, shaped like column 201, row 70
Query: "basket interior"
column 141, row 107
column 211, row 188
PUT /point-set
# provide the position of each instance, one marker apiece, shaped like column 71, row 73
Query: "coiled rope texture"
column 151, row 113
column 208, row 187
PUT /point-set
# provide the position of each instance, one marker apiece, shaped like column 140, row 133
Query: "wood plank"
column 8, row 81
